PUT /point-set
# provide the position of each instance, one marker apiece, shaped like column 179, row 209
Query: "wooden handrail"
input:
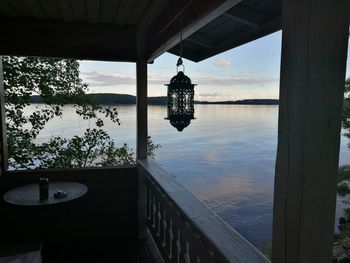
column 184, row 229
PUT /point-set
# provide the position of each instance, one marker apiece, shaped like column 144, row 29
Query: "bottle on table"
column 44, row 188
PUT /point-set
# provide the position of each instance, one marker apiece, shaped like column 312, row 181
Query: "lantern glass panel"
column 180, row 101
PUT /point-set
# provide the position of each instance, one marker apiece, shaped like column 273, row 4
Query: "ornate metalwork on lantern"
column 180, row 100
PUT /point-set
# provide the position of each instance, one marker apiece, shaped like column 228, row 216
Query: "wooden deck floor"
column 99, row 253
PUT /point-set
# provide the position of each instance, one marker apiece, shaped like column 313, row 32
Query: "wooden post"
column 141, row 101
column 313, row 63
column 3, row 144
column 141, row 151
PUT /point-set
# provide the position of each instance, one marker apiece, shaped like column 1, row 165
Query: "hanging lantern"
column 180, row 100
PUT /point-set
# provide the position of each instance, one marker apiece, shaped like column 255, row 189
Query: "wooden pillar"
column 3, row 144
column 313, row 64
column 141, row 148
column 141, row 102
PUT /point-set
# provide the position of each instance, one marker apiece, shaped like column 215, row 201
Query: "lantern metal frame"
column 180, row 100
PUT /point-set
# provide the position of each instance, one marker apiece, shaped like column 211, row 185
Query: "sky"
column 250, row 71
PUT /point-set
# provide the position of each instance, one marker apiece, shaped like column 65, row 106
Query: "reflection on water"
column 226, row 157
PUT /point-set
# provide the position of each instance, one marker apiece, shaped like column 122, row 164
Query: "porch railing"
column 184, row 229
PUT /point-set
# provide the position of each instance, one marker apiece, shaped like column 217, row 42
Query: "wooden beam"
column 3, row 139
column 196, row 15
column 141, row 98
column 313, row 64
column 241, row 20
column 34, row 37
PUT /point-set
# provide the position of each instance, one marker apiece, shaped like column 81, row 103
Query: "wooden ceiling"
column 125, row 30
column 243, row 23
column 123, row 12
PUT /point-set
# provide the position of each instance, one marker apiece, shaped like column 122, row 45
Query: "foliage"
column 267, row 250
column 346, row 110
column 343, row 180
column 343, row 187
column 57, row 82
column 347, row 88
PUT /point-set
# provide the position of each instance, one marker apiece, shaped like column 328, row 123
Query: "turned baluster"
column 164, row 228
column 159, row 218
column 171, row 238
column 178, row 245
column 187, row 253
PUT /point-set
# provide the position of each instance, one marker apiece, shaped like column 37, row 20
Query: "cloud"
column 238, row 80
column 154, row 79
column 222, row 62
column 215, row 94
column 210, row 96
column 101, row 79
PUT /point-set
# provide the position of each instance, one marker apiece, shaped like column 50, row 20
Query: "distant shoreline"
column 112, row 98
column 242, row 102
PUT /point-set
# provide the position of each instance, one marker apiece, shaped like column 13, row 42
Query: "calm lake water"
column 226, row 157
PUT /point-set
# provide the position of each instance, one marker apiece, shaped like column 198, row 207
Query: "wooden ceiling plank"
column 57, row 38
column 124, row 11
column 79, row 12
column 203, row 37
column 241, row 20
column 137, row 11
column 50, row 8
column 65, row 9
column 6, row 9
column 18, row 7
column 197, row 15
column 108, row 10
column 93, row 11
column 269, row 27
column 273, row 23
column 35, row 8
column 198, row 43
column 248, row 12
column 151, row 13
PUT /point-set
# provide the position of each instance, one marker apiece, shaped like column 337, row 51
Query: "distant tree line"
column 113, row 99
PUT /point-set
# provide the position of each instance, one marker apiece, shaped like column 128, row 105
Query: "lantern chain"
column 179, row 61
